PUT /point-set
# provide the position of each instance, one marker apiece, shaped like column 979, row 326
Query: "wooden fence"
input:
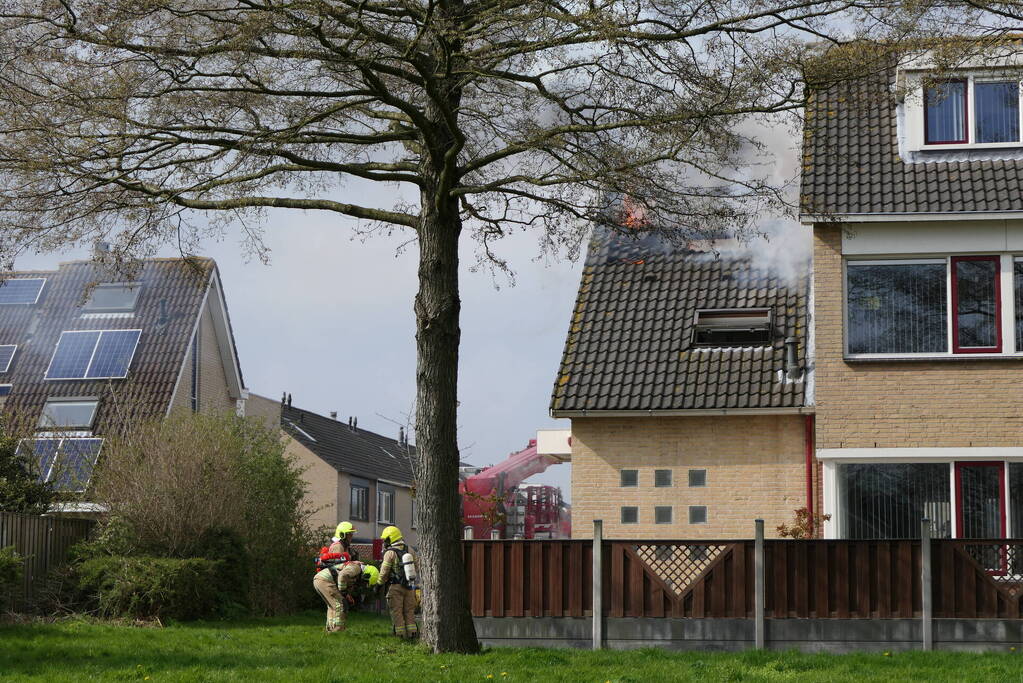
column 824, row 579
column 44, row 542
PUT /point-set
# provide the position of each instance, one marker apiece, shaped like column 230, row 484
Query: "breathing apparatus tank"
column 408, row 565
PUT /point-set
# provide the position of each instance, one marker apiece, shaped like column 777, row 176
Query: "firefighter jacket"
column 347, row 576
column 392, row 570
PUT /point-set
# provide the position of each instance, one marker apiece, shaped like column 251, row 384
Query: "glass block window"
column 630, row 514
column 662, row 478
column 888, row 500
column 996, row 111
column 945, row 113
column 697, row 514
column 897, row 308
column 629, row 477
column 662, row 514
column 697, row 477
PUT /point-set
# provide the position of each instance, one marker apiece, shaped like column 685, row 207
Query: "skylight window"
column 68, row 414
column 6, row 356
column 118, row 297
column 21, row 290
column 733, row 327
column 93, row 354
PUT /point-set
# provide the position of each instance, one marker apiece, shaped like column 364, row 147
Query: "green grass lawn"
column 296, row 649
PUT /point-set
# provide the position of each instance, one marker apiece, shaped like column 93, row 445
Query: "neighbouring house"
column 685, row 376
column 351, row 473
column 911, row 185
column 79, row 350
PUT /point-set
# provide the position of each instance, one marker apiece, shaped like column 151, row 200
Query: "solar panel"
column 93, row 354
column 42, row 451
column 113, row 354
column 21, row 290
column 74, row 465
column 71, row 358
column 6, row 356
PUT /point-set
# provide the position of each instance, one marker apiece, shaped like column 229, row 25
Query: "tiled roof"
column 359, row 452
column 851, row 162
column 166, row 311
column 629, row 341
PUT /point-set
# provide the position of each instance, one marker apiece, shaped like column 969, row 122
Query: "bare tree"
column 119, row 118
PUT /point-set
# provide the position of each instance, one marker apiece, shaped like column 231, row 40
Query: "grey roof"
column 359, row 452
column 169, row 303
column 851, row 162
column 629, row 341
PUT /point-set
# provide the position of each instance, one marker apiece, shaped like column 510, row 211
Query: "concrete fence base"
column 807, row 635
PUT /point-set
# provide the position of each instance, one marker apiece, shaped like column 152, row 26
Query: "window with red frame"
column 976, row 308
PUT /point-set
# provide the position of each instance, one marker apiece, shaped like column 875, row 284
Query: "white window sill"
column 856, row 358
column 968, row 145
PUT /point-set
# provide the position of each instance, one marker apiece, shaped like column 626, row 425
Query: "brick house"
column 685, row 377
column 351, row 473
column 77, row 350
column 911, row 185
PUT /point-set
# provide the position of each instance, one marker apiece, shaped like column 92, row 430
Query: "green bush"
column 147, row 587
column 11, row 567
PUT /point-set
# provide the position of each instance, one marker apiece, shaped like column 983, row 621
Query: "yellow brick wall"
column 755, row 469
column 903, row 404
column 214, row 394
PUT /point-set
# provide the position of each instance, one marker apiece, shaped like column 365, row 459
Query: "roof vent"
column 333, row 415
column 792, row 368
column 732, row 327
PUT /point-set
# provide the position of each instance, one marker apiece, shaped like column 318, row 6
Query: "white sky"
column 330, row 320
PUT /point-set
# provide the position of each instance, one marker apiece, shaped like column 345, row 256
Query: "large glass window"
column 975, row 315
column 897, row 308
column 996, row 108
column 889, row 500
column 945, row 113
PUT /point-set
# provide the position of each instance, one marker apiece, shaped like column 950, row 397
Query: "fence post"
column 598, row 588
column 467, row 533
column 926, row 589
column 495, row 534
column 758, row 585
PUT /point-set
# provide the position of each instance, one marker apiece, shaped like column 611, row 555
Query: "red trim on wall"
column 966, row 117
column 959, row 492
column 997, row 348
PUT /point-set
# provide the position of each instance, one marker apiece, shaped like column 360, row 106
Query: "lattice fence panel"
column 679, row 565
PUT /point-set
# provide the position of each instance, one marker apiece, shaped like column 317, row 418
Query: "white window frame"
column 916, row 106
column 1007, row 306
column 69, row 401
column 381, row 519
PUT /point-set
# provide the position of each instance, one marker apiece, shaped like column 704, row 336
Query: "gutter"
column 810, row 219
column 695, row 412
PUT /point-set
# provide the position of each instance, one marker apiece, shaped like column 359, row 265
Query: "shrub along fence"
column 43, row 542
column 811, row 594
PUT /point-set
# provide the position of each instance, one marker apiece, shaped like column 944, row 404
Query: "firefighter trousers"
column 337, row 605
column 401, row 602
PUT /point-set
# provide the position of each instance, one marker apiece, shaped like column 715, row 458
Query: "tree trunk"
column 447, row 624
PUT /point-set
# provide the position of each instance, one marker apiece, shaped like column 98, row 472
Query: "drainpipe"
column 809, row 440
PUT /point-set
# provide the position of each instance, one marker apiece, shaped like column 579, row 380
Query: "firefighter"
column 342, row 540
column 398, row 573
column 335, row 584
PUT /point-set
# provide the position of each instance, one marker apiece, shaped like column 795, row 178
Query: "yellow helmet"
column 391, row 534
column 371, row 574
column 344, row 528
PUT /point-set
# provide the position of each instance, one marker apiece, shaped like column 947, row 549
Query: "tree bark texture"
column 447, row 624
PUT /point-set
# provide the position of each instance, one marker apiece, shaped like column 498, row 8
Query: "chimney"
column 792, row 368
column 349, row 421
column 401, row 436
column 355, row 424
column 289, row 400
column 333, row 415
column 284, row 398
